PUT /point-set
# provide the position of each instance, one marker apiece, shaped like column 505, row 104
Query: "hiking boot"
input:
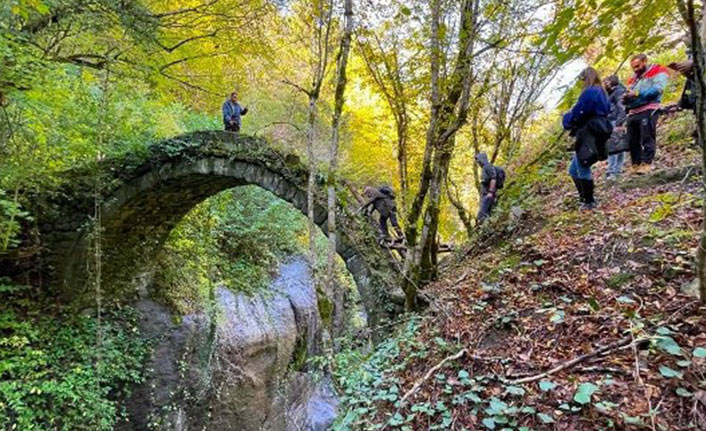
column 644, row 169
column 589, row 202
column 632, row 169
column 579, row 189
column 588, row 206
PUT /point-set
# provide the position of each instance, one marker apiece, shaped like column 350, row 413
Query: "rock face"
column 242, row 369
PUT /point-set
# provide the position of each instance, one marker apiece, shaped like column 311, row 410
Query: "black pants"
column 383, row 225
column 235, row 127
column 642, row 137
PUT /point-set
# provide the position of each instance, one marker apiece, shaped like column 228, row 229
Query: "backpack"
column 387, row 191
column 688, row 96
column 499, row 177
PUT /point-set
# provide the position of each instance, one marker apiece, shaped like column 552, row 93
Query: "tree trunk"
column 388, row 78
column 311, row 184
column 402, row 163
column 689, row 15
column 410, row 269
column 461, row 211
column 699, row 69
column 429, row 238
column 333, row 155
column 449, row 110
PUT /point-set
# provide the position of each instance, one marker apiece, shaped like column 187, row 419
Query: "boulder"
column 241, row 368
column 691, row 288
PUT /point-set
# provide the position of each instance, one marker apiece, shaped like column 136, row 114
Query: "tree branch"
column 568, row 364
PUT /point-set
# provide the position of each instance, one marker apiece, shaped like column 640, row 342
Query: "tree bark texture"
column 449, row 110
column 686, row 8
column 342, row 63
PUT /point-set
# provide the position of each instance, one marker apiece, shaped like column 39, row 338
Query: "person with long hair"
column 589, row 125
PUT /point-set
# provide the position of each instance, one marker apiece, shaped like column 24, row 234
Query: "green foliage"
column 668, row 202
column 616, row 281
column 53, row 372
column 667, row 344
column 545, row 418
column 670, row 373
column 547, row 385
column 69, row 122
column 366, row 380
column 11, row 217
column 372, row 398
column 584, row 393
column 235, row 239
column 254, row 230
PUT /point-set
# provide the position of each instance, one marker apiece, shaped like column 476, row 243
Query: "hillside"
column 554, row 318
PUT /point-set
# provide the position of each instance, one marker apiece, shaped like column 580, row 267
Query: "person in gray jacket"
column 488, row 187
column 616, row 145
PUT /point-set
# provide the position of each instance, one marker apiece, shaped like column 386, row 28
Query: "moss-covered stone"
column 143, row 201
column 325, row 309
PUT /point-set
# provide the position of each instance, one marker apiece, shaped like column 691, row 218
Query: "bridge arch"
column 143, row 204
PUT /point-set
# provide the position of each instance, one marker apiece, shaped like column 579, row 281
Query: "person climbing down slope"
column 589, row 124
column 489, row 185
column 642, row 101
column 382, row 200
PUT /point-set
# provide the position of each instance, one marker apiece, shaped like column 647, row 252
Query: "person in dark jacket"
column 687, row 101
column 588, row 123
column 488, row 187
column 616, row 144
column 382, row 200
column 232, row 111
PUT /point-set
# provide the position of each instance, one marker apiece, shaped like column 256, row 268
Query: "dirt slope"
column 595, row 300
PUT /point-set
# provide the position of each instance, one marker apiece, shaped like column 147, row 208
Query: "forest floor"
column 564, row 320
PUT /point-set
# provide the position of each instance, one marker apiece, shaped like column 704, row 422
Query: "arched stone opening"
column 142, row 205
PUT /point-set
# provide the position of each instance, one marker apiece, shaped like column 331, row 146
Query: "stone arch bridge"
column 143, row 201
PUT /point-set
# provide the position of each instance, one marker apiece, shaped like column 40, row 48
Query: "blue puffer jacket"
column 233, row 112
column 593, row 102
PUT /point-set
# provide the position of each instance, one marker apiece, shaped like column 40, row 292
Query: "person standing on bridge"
column 232, row 111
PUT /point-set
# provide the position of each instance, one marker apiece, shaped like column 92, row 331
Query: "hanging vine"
column 97, row 233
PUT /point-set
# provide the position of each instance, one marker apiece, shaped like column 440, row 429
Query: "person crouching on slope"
column 382, row 200
column 589, row 124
